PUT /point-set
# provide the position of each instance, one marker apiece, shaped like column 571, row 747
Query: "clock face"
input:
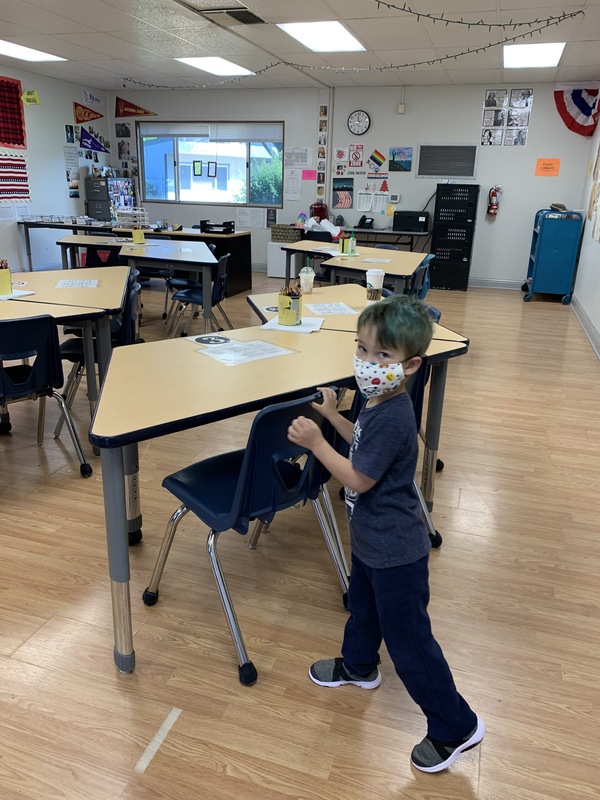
column 359, row 122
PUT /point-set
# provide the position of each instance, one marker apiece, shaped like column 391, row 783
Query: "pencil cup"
column 374, row 284
column 289, row 310
column 5, row 282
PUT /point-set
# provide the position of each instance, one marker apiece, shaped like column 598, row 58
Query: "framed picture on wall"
column 212, row 169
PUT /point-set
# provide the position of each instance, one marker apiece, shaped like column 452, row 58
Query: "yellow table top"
column 170, row 251
column 13, row 309
column 161, row 387
column 351, row 294
column 108, row 295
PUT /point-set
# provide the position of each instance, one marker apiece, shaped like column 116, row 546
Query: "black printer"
column 416, row 221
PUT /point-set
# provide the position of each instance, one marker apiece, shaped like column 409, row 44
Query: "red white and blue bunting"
column 578, row 108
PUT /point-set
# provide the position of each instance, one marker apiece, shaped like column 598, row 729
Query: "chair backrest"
column 420, row 281
column 219, row 287
column 128, row 330
column 319, row 236
column 275, row 473
column 155, row 236
column 34, row 338
column 386, row 246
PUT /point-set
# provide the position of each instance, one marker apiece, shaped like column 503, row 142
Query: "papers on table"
column 73, row 283
column 376, row 260
column 330, row 309
column 233, row 352
column 15, row 293
column 335, row 251
column 308, row 325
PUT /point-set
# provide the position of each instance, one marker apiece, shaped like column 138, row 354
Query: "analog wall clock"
column 359, row 122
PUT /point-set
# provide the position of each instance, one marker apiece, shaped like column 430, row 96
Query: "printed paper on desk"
column 308, row 325
column 71, row 283
column 330, row 309
column 234, row 353
column 376, row 260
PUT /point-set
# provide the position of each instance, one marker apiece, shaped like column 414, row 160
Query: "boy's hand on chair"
column 328, row 407
column 305, row 432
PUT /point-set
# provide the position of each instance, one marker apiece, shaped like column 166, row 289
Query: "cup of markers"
column 289, row 306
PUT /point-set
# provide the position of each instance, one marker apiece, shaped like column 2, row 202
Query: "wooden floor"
column 515, row 604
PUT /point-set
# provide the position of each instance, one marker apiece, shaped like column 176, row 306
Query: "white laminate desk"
column 399, row 266
column 73, row 226
column 130, row 411
column 102, row 301
column 446, row 344
column 194, row 258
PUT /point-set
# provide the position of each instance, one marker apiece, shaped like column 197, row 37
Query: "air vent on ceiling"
column 228, row 17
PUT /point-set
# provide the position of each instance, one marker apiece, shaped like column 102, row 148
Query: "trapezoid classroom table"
column 73, row 226
column 239, row 245
column 194, row 258
column 399, row 266
column 101, row 290
column 446, row 344
column 130, row 411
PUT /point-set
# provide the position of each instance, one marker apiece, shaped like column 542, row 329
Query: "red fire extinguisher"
column 492, row 208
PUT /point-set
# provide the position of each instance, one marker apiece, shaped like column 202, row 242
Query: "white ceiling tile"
column 38, row 19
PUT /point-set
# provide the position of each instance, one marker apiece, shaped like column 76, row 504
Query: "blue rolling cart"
column 553, row 254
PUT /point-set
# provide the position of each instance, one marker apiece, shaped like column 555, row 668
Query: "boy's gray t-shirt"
column 386, row 528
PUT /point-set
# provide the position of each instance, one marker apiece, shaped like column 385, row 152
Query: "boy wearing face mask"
column 389, row 586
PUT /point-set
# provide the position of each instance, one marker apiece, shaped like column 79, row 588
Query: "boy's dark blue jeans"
column 391, row 604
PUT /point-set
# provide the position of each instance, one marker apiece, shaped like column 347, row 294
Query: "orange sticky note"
column 547, row 167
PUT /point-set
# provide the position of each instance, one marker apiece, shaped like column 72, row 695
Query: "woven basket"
column 285, row 233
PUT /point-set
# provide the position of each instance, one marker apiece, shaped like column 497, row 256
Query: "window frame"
column 144, row 127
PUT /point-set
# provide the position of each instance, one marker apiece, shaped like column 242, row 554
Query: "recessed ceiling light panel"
column 25, row 53
column 215, row 65
column 530, row 56
column 322, row 37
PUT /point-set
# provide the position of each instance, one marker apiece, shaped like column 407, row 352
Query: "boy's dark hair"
column 400, row 322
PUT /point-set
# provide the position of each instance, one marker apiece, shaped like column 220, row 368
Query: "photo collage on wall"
column 505, row 119
column 322, row 151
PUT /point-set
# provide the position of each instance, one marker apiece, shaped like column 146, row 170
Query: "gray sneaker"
column 331, row 672
column 430, row 755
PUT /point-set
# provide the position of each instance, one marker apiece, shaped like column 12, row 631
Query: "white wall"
column 432, row 115
column 45, row 127
column 586, row 299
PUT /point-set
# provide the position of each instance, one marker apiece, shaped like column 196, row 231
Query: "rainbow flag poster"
column 376, row 160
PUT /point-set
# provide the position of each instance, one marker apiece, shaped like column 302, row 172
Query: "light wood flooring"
column 515, row 603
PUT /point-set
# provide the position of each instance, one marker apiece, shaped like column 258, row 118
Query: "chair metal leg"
column 41, row 420
column 71, row 386
column 434, row 536
column 247, row 671
column 172, row 332
column 259, row 527
column 150, row 595
column 334, row 527
column 331, row 545
column 225, row 317
column 85, row 469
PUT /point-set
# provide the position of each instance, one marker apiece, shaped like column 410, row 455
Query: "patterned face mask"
column 374, row 379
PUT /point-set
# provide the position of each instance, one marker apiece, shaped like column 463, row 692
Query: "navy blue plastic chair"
column 111, row 258
column 386, row 247
column 175, row 283
column 228, row 491
column 34, row 341
column 195, row 297
column 126, row 332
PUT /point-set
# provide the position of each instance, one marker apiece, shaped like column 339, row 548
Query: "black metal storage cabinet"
column 452, row 235
column 97, row 203
column 554, row 250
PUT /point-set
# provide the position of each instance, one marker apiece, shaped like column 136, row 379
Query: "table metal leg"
column 132, row 493
column 90, row 363
column 437, row 386
column 288, row 266
column 206, row 295
column 118, row 556
column 28, row 246
column 103, row 344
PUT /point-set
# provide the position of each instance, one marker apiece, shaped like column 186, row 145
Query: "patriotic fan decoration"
column 578, row 108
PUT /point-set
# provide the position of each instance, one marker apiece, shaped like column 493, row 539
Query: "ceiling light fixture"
column 530, row 56
column 322, row 37
column 25, row 53
column 215, row 65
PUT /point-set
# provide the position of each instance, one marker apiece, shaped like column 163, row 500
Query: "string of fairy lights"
column 532, row 26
